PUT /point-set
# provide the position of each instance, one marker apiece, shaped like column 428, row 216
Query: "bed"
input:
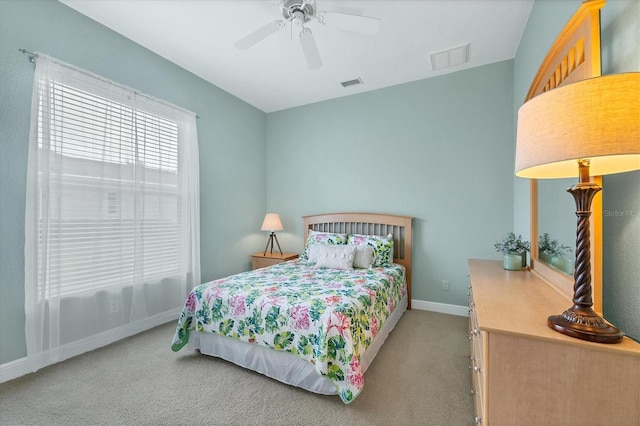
column 316, row 322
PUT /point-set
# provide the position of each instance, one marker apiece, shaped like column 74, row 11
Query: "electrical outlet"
column 114, row 306
column 445, row 285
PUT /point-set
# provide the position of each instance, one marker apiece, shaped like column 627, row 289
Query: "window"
column 106, row 149
column 112, row 206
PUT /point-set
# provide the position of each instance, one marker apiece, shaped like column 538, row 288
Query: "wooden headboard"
column 369, row 224
column 574, row 56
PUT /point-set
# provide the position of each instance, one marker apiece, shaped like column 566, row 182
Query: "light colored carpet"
column 420, row 377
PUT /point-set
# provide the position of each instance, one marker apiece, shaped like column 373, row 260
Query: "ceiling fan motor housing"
column 298, row 10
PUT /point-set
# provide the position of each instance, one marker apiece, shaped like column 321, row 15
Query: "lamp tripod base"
column 583, row 323
column 270, row 241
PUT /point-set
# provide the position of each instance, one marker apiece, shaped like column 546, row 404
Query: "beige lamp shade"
column 271, row 222
column 597, row 119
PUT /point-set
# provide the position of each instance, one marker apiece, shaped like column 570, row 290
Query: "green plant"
column 512, row 244
column 550, row 246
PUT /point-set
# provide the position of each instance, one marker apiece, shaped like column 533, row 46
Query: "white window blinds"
column 116, row 200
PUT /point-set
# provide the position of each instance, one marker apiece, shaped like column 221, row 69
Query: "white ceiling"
column 199, row 35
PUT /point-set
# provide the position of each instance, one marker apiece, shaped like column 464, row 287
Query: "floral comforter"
column 326, row 316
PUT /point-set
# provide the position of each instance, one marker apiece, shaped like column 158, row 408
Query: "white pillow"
column 312, row 251
column 335, row 256
column 363, row 257
column 316, row 237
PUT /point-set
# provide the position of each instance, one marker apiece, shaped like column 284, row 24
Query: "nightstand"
column 260, row 260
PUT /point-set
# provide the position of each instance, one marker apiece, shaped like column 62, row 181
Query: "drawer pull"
column 477, row 420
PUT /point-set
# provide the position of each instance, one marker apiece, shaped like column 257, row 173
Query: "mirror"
column 556, row 225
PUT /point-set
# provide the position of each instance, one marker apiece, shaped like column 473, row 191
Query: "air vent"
column 450, row 57
column 352, row 82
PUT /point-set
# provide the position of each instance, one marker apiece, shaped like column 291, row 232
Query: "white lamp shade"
column 271, row 222
column 597, row 119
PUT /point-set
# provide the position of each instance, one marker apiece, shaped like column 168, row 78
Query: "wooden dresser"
column 524, row 373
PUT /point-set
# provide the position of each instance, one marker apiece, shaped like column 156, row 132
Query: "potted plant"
column 549, row 248
column 514, row 251
column 553, row 253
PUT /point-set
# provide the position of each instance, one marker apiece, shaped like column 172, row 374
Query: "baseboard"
column 14, row 369
column 443, row 308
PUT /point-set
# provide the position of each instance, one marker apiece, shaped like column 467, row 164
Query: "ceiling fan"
column 300, row 12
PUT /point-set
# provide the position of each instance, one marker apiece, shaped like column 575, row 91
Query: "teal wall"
column 439, row 149
column 231, row 139
column 621, row 194
column 620, row 46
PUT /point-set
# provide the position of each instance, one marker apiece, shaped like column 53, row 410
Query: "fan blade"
column 310, row 49
column 259, row 35
column 354, row 23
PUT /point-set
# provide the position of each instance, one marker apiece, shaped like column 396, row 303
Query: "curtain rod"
column 33, row 56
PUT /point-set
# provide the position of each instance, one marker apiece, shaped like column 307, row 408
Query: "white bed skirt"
column 284, row 366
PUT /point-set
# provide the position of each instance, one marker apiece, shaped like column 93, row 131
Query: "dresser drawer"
column 476, row 364
column 478, row 398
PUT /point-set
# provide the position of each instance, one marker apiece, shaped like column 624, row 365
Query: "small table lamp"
column 584, row 129
column 272, row 223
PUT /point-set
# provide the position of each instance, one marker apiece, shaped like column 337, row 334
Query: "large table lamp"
column 271, row 223
column 584, row 129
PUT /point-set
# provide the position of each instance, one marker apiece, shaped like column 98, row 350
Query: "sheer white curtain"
column 112, row 214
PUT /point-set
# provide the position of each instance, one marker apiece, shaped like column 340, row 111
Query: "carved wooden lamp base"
column 581, row 321
column 584, row 323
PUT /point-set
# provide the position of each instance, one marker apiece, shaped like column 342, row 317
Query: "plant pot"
column 512, row 261
column 545, row 257
column 523, row 254
column 563, row 264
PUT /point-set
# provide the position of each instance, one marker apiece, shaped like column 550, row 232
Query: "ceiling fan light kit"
column 301, row 12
